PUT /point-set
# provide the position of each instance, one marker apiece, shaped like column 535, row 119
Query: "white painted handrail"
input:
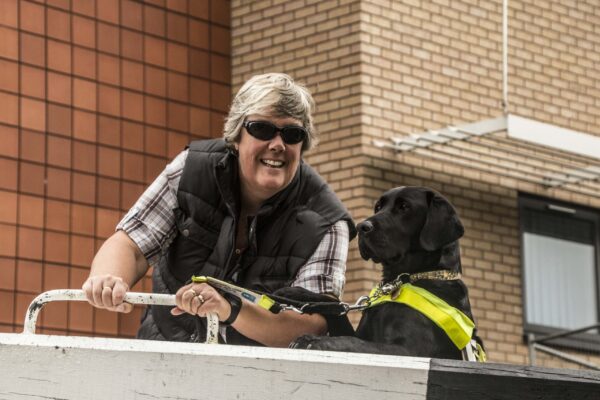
column 131, row 297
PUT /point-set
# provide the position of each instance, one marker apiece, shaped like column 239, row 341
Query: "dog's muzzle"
column 364, row 227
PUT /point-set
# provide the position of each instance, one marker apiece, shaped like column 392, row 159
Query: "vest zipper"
column 228, row 269
column 252, row 234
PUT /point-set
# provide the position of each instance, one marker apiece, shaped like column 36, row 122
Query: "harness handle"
column 130, row 297
column 276, row 303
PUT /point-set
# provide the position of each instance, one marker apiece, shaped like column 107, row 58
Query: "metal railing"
column 535, row 344
column 131, row 297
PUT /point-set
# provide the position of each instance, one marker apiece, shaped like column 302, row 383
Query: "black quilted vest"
column 281, row 238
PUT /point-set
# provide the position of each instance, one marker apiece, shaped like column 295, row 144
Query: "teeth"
column 273, row 163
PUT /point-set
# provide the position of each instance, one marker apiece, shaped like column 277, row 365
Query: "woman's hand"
column 201, row 299
column 107, row 291
column 254, row 322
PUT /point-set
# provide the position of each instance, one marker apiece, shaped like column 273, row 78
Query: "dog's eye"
column 377, row 207
column 402, row 206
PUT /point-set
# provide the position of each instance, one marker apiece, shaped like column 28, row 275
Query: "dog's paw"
column 309, row 342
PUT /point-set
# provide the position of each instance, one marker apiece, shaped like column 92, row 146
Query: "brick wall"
column 96, row 97
column 387, row 68
column 431, row 64
column 318, row 44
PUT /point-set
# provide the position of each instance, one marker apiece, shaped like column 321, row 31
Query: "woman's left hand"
column 201, row 299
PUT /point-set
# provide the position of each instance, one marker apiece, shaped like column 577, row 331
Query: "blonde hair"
column 274, row 94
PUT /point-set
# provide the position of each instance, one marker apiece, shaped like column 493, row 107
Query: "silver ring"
column 201, row 301
column 193, row 292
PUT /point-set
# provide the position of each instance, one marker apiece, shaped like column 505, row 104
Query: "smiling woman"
column 244, row 209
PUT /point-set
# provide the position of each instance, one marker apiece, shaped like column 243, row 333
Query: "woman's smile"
column 272, row 163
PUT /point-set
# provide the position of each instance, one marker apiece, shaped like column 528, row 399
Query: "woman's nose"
column 277, row 144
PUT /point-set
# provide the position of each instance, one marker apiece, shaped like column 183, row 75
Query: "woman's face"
column 266, row 166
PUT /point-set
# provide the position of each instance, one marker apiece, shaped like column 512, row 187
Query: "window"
column 560, row 253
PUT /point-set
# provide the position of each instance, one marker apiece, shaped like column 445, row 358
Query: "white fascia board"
column 553, row 136
column 484, row 127
column 79, row 368
column 216, row 350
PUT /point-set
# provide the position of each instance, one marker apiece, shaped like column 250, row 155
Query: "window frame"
column 582, row 341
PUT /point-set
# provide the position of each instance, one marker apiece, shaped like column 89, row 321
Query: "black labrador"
column 413, row 230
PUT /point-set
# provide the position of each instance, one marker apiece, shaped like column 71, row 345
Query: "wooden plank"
column 59, row 367
column 450, row 379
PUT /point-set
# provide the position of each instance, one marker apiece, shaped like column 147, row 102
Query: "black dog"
column 414, row 230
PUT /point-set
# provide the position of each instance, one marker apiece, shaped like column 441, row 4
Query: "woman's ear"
column 233, row 145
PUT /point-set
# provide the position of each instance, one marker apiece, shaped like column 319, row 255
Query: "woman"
column 245, row 209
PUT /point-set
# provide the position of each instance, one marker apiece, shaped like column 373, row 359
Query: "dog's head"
column 408, row 219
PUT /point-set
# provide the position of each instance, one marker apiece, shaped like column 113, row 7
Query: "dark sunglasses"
column 264, row 130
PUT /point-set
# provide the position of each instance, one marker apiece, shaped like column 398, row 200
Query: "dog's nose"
column 365, row 227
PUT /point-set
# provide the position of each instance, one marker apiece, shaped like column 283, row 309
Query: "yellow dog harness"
column 451, row 320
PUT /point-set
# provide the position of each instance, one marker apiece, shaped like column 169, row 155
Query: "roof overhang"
column 513, row 147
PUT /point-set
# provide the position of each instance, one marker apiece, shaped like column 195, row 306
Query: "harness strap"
column 260, row 300
column 474, row 352
column 275, row 303
column 451, row 320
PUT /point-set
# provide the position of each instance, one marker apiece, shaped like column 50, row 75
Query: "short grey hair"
column 274, row 94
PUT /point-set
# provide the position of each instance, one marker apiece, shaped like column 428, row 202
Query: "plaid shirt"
column 150, row 223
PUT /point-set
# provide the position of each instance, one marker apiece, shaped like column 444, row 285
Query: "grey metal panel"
column 450, row 379
column 560, row 285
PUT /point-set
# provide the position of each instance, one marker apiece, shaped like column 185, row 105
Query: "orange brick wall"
column 380, row 69
column 95, row 98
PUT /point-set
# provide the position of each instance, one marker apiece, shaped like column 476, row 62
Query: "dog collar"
column 442, row 274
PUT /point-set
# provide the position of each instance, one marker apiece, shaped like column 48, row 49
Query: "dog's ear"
column 442, row 225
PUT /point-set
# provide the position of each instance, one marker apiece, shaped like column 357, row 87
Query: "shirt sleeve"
column 150, row 223
column 324, row 272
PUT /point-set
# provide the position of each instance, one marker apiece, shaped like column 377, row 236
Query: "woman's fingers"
column 124, row 308
column 87, row 290
column 187, row 296
column 184, row 295
column 177, row 311
column 97, row 285
column 118, row 292
column 196, row 303
column 198, row 299
column 107, row 296
column 107, row 291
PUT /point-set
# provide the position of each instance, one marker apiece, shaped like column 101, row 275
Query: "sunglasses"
column 264, row 130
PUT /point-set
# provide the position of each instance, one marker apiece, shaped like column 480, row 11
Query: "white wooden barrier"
column 60, row 367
